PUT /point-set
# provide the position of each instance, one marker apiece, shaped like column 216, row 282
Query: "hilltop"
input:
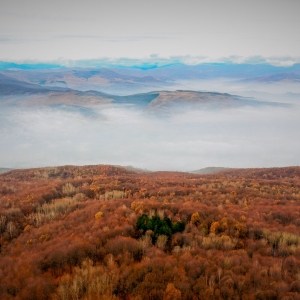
column 3, row 170
column 209, row 170
column 25, row 94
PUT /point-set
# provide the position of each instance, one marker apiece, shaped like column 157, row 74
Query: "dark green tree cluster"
column 158, row 226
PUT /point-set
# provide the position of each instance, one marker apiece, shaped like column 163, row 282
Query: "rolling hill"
column 3, row 170
column 39, row 95
column 209, row 170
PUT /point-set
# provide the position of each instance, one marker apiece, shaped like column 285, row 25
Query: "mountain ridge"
column 154, row 100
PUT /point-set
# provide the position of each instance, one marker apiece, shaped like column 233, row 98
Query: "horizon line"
column 151, row 62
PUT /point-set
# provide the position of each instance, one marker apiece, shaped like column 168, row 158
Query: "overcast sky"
column 207, row 30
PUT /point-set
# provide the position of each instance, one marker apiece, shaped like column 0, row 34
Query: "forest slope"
column 72, row 233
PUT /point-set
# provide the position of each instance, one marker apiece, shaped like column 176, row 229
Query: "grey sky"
column 51, row 30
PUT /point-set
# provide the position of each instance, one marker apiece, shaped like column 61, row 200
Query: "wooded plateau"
column 107, row 232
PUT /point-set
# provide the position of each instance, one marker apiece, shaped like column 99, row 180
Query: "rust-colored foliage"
column 71, row 233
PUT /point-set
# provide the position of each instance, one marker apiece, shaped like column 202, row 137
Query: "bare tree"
column 161, row 241
column 2, row 224
column 219, row 272
column 11, row 229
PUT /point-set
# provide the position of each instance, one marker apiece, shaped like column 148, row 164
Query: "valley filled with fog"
column 226, row 122
column 125, row 135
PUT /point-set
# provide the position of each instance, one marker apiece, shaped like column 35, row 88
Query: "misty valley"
column 177, row 117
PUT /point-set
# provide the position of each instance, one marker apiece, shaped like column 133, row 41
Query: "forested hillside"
column 107, row 232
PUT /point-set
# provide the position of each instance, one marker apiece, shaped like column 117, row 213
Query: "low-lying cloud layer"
column 123, row 135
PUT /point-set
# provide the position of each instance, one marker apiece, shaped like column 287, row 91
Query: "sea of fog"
column 124, row 135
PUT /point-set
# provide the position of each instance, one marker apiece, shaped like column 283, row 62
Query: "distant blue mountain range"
column 172, row 69
column 28, row 66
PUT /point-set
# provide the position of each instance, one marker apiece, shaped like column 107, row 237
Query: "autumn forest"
column 108, row 232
